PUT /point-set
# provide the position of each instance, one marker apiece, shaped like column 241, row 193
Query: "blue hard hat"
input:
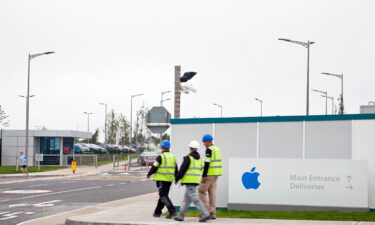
column 207, row 137
column 166, row 144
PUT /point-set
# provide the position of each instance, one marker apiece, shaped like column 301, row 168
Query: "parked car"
column 96, row 149
column 81, row 148
column 147, row 156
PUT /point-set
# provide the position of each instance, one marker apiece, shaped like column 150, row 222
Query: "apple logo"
column 250, row 179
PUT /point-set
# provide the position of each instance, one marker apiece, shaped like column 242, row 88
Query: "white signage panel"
column 38, row 157
column 304, row 182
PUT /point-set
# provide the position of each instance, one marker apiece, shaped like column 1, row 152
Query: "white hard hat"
column 194, row 144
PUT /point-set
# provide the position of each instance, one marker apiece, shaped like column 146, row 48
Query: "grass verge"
column 31, row 169
column 293, row 215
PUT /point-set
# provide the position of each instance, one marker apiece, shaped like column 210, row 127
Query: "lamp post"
column 163, row 100
column 332, row 101
column 221, row 109
column 261, row 106
column 105, row 122
column 29, row 58
column 341, row 76
column 131, row 116
column 88, row 120
column 306, row 45
column 325, row 95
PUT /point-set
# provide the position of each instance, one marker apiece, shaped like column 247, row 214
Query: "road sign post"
column 39, row 158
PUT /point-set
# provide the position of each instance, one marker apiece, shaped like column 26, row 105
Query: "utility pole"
column 177, row 91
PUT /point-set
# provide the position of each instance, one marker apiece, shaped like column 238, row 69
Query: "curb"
column 31, row 176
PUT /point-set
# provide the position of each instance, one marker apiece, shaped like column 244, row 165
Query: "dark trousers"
column 164, row 200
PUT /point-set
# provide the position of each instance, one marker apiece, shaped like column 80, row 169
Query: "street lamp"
column 341, row 76
column 221, row 109
column 29, row 58
column 163, row 100
column 306, row 45
column 131, row 115
column 332, row 101
column 261, row 106
column 325, row 95
column 88, row 120
column 105, row 121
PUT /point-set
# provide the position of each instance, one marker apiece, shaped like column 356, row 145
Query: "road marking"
column 38, row 185
column 109, row 185
column 122, row 183
column 66, row 182
column 52, row 193
column 132, row 182
column 7, row 216
column 42, row 204
column 25, row 191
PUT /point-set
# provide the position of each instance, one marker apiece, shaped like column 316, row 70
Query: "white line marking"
column 38, row 185
column 132, row 182
column 109, row 185
column 17, row 205
column 52, row 193
column 66, row 182
column 122, row 183
column 1, row 213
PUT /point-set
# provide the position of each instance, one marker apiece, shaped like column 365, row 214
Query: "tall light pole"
column 131, row 116
column 306, row 45
column 341, row 76
column 332, row 101
column 325, row 93
column 163, row 100
column 29, row 58
column 88, row 120
column 105, row 122
column 221, row 109
column 261, row 106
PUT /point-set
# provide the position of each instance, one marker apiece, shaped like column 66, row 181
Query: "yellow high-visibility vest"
column 216, row 165
column 194, row 173
column 166, row 169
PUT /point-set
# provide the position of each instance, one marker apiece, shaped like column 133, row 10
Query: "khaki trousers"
column 207, row 193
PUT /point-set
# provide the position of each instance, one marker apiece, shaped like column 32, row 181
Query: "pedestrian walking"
column 211, row 172
column 190, row 175
column 23, row 160
column 164, row 170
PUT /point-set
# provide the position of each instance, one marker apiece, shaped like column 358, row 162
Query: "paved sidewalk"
column 139, row 212
column 81, row 170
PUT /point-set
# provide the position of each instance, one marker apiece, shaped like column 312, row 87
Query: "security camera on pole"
column 178, row 88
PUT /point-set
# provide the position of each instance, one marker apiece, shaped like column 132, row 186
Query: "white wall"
column 364, row 148
column 312, row 139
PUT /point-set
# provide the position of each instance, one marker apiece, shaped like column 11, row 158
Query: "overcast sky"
column 107, row 50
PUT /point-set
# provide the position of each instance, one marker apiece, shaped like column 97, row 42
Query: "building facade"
column 53, row 144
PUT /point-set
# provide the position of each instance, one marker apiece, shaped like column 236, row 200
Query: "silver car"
column 147, row 156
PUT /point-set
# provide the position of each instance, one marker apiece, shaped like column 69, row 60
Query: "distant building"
column 53, row 144
column 367, row 109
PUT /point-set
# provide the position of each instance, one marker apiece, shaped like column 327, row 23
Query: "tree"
column 95, row 136
column 124, row 130
column 341, row 105
column 3, row 118
column 112, row 128
column 140, row 125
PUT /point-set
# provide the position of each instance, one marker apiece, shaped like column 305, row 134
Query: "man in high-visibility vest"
column 211, row 172
column 164, row 170
column 190, row 175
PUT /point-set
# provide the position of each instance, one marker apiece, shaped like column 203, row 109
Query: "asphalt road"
column 28, row 200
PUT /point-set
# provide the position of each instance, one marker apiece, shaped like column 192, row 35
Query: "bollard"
column 74, row 166
column 125, row 165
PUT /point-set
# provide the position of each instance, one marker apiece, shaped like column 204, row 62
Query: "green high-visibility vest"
column 166, row 169
column 216, row 165
column 194, row 174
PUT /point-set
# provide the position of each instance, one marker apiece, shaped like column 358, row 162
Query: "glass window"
column 68, row 144
column 50, row 145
